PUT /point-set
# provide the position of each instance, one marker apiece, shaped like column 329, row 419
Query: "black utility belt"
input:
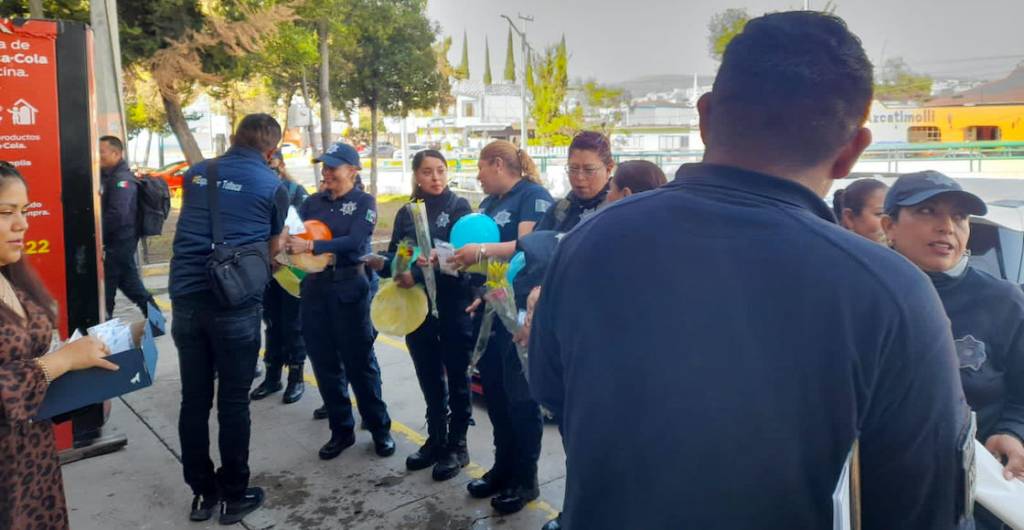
column 334, row 273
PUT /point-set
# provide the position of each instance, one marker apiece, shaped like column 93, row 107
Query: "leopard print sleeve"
column 22, row 389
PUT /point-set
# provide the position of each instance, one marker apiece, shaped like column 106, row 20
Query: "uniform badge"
column 371, row 216
column 502, row 218
column 348, row 208
column 541, row 206
column 122, row 184
column 443, row 220
column 971, row 353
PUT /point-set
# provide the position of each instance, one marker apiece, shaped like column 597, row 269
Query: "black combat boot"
column 454, row 457
column 296, row 387
column 271, row 383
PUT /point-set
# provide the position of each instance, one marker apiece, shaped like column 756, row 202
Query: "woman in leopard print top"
column 31, row 491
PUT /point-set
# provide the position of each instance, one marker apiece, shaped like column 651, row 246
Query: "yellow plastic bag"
column 398, row 311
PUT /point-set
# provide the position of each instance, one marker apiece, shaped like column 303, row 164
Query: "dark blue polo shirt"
column 351, row 219
column 715, row 346
column 525, row 202
column 253, row 204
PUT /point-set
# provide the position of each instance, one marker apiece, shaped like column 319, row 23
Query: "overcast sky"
column 616, row 40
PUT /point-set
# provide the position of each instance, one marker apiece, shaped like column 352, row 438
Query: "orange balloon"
column 315, row 231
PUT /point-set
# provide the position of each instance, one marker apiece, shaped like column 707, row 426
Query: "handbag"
column 237, row 274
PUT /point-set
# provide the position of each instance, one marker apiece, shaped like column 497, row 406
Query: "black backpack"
column 154, row 205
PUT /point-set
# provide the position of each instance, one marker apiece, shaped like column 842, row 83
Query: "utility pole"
column 524, row 127
column 35, row 8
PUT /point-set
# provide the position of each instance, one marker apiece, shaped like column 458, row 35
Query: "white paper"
column 1004, row 498
column 116, row 334
column 841, row 497
column 294, row 223
column 444, row 252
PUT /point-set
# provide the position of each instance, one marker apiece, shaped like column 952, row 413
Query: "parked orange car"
column 172, row 173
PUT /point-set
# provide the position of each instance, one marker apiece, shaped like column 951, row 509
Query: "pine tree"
column 510, row 61
column 487, row 63
column 462, row 72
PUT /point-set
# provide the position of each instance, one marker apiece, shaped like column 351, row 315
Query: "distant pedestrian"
column 214, row 340
column 120, row 202
column 740, row 342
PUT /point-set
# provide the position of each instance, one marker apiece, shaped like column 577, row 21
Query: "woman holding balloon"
column 443, row 343
column 336, row 304
column 515, row 202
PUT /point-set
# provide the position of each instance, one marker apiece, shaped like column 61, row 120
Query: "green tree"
column 548, row 85
column 488, row 79
column 510, row 60
column 723, row 27
column 601, row 96
column 447, row 71
column 462, row 72
column 898, row 83
column 393, row 67
column 62, row 9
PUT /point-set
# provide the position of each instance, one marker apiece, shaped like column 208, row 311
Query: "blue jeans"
column 222, row 343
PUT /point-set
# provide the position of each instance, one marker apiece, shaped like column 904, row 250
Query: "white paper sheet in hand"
column 444, row 252
column 1004, row 498
column 115, row 334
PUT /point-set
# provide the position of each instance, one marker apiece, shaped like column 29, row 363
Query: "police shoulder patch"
column 541, row 205
column 122, row 184
column 371, row 216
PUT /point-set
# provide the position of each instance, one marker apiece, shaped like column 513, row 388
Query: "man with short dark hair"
column 120, row 194
column 214, row 340
column 725, row 388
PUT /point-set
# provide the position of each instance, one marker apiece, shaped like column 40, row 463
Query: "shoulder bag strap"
column 213, row 203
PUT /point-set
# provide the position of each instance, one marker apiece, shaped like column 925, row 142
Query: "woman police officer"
column 516, row 201
column 336, row 305
column 443, row 344
column 590, row 166
column 927, row 220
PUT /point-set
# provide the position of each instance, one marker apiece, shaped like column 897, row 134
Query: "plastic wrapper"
column 290, row 278
column 501, row 303
column 398, row 311
column 418, row 212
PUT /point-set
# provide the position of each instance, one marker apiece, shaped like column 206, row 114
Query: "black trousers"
column 281, row 314
column 339, row 340
column 440, row 351
column 121, row 272
column 515, row 416
column 213, row 341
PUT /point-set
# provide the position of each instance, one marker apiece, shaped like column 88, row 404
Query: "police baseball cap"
column 339, row 154
column 915, row 188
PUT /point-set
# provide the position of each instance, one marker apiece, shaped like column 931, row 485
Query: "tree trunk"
column 373, row 149
column 310, row 130
column 325, row 88
column 178, row 123
column 35, row 8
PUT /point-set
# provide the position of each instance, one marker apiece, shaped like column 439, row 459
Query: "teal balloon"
column 514, row 266
column 474, row 228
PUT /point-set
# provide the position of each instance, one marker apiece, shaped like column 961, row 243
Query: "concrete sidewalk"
column 142, row 486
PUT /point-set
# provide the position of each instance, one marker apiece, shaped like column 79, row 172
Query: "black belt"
column 333, row 272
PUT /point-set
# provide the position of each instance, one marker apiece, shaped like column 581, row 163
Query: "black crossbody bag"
column 237, row 274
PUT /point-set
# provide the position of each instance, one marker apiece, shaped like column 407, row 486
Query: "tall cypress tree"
column 487, row 62
column 510, row 61
column 462, row 72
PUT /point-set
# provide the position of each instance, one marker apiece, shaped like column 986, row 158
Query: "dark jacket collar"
column 114, row 171
column 245, row 152
column 760, row 184
column 590, row 203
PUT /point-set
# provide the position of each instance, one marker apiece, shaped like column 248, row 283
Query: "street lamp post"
column 523, row 127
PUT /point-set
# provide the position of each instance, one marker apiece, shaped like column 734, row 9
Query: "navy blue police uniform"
column 336, row 314
column 726, row 389
column 120, row 201
column 443, row 344
column 283, row 345
column 515, row 416
column 212, row 339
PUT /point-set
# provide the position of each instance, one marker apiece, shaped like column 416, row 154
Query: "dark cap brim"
column 975, row 206
column 331, row 161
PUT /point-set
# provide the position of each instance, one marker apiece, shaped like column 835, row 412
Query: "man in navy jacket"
column 716, row 346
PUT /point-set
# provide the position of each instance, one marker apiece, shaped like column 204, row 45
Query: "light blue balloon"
column 515, row 265
column 474, row 228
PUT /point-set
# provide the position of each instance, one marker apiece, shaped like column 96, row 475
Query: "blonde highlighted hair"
column 517, row 160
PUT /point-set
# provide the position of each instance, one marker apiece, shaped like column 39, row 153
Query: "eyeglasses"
column 586, row 171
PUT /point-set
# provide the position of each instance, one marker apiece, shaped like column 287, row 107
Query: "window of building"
column 468, row 109
column 924, row 134
column 982, row 133
column 672, row 142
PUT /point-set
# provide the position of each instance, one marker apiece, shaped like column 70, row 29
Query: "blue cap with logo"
column 915, row 188
column 339, row 154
